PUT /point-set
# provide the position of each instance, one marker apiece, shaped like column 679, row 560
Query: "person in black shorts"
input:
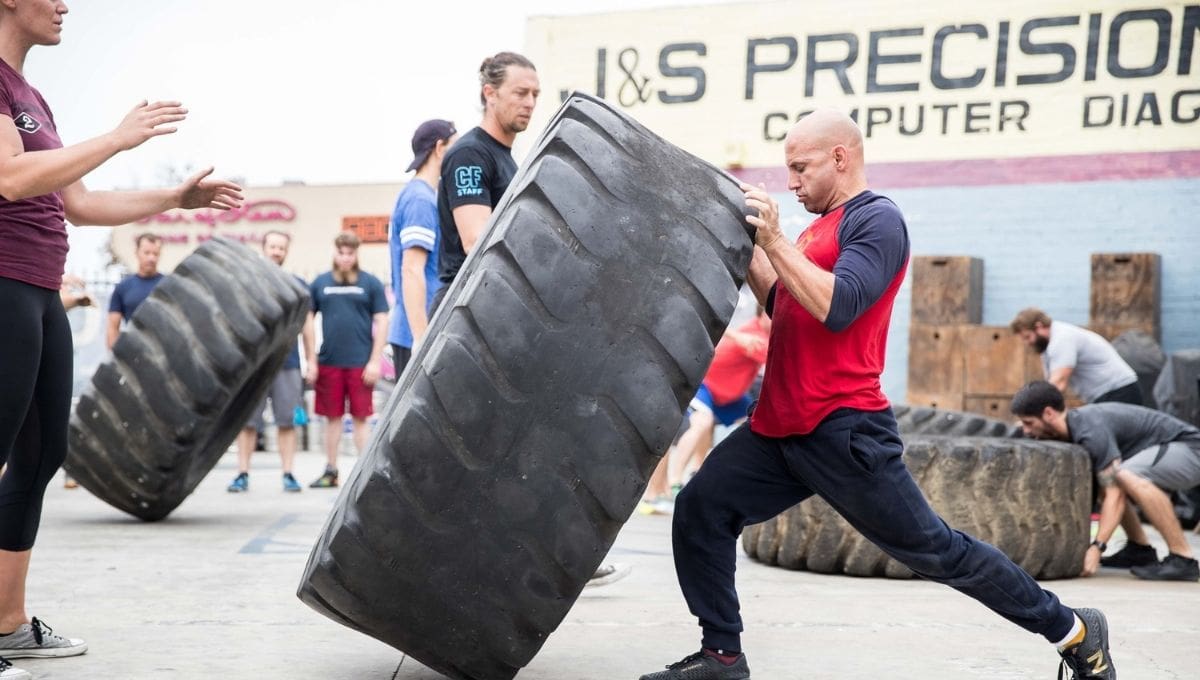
column 41, row 183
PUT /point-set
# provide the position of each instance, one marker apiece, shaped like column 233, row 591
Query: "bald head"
column 827, row 128
column 824, row 153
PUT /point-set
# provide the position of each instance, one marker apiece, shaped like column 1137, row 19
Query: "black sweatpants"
column 36, row 365
column 852, row 460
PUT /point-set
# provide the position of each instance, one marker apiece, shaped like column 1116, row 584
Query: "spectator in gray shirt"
column 1078, row 357
column 1137, row 453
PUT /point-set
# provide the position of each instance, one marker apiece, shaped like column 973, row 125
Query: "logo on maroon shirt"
column 27, row 123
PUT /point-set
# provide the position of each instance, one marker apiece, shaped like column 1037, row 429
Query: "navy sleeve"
column 378, row 299
column 314, row 295
column 465, row 177
column 874, row 249
column 116, row 303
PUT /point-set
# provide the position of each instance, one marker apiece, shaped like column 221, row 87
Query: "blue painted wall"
column 1036, row 242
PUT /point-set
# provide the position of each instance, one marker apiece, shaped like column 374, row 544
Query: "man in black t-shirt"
column 477, row 169
column 476, row 172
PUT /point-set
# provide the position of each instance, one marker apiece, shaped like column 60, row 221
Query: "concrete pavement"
column 210, row 593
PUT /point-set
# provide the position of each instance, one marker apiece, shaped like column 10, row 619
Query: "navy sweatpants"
column 852, row 460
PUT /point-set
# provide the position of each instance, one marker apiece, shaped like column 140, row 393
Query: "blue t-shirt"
column 293, row 359
column 346, row 317
column 414, row 225
column 131, row 292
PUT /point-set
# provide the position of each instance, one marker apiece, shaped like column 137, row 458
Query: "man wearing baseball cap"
column 413, row 240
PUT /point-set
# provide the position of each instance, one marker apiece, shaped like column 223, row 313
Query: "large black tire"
column 184, row 377
column 1031, row 499
column 1144, row 355
column 523, row 432
column 925, row 420
column 1177, row 390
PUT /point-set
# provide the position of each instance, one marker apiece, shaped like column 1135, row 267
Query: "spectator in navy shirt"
column 353, row 309
column 132, row 290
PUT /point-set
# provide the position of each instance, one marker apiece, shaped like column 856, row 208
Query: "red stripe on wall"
column 1029, row 170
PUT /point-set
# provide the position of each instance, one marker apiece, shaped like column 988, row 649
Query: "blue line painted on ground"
column 265, row 542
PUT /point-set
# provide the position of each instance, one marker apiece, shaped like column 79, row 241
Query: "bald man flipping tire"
column 823, row 427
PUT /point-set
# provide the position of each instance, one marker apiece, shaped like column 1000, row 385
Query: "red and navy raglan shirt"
column 813, row 367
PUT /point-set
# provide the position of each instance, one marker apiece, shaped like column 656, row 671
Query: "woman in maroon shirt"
column 40, row 187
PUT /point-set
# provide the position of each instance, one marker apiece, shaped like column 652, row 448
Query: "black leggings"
column 35, row 403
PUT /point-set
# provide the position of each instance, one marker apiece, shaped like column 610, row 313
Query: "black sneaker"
column 1090, row 658
column 1132, row 555
column 1172, row 568
column 700, row 666
column 325, row 481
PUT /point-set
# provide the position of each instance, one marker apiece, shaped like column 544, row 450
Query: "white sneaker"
column 7, row 672
column 606, row 574
column 36, row 640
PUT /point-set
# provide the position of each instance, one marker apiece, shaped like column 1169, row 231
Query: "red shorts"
column 335, row 386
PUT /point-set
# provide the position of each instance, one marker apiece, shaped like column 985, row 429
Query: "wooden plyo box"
column 951, row 402
column 947, row 290
column 996, row 406
column 1126, row 293
column 935, row 363
column 996, row 362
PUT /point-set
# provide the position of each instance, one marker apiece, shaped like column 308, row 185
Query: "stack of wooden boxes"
column 955, row 362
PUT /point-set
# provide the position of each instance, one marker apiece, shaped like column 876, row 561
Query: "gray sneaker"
column 608, row 573
column 7, row 672
column 1089, row 660
column 36, row 640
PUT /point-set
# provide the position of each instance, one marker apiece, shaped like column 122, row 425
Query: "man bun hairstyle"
column 494, row 70
column 1032, row 399
column 1026, row 319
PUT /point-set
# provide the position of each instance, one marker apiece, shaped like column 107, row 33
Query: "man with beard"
column 1137, row 453
column 353, row 309
column 476, row 171
column 286, row 392
column 1078, row 357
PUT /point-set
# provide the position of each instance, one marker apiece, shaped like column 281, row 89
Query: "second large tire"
column 553, row 378
column 925, row 420
column 184, row 377
column 1031, row 499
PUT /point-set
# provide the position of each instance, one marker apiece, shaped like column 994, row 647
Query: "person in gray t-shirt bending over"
column 1078, row 357
column 1137, row 453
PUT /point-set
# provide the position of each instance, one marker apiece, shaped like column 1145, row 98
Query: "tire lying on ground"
column 1031, row 499
column 925, row 420
column 184, row 377
column 554, row 376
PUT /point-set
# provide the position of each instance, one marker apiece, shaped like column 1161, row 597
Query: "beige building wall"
column 313, row 215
